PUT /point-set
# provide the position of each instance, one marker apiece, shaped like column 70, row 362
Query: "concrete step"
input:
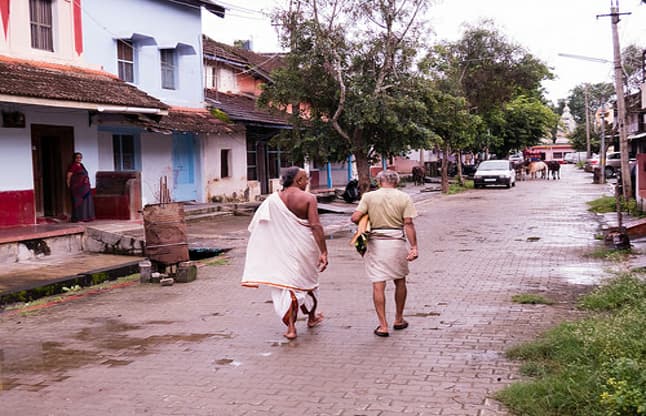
column 112, row 240
column 19, row 244
column 50, row 275
column 204, row 216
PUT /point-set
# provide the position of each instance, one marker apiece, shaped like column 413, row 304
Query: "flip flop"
column 403, row 325
column 381, row 334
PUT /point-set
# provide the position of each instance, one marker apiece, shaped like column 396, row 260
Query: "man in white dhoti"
column 391, row 214
column 287, row 250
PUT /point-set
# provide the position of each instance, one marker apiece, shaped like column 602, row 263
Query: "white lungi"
column 385, row 258
column 282, row 253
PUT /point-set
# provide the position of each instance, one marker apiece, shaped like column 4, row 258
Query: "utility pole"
column 587, row 122
column 602, row 150
column 621, row 104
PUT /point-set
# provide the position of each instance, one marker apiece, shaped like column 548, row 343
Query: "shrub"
column 595, row 366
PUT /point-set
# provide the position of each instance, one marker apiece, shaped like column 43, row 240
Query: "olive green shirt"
column 387, row 208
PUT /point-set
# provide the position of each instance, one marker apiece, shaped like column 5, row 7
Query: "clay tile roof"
column 261, row 63
column 42, row 80
column 191, row 120
column 242, row 108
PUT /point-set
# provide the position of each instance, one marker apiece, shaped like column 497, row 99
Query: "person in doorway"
column 78, row 182
column 391, row 214
column 287, row 250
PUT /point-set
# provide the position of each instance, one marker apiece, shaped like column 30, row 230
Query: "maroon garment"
column 82, row 202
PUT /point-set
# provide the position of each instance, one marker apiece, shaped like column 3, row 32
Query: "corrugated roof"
column 33, row 79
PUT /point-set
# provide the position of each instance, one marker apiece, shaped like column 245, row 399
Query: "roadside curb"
column 54, row 287
column 70, row 297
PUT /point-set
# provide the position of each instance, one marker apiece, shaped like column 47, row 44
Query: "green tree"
column 490, row 72
column 454, row 127
column 350, row 75
column 632, row 61
column 525, row 121
column 578, row 139
column 598, row 94
column 495, row 69
column 449, row 116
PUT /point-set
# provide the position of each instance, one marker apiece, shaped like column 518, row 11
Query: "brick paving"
column 211, row 347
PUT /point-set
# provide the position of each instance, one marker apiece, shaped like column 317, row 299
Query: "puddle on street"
column 582, row 273
column 99, row 345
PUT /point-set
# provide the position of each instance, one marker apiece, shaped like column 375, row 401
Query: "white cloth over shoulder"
column 282, row 251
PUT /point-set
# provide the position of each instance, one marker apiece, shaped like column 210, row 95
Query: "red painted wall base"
column 17, row 208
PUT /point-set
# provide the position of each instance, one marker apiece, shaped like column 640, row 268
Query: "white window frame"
column 168, row 64
column 118, row 151
column 123, row 62
column 41, row 23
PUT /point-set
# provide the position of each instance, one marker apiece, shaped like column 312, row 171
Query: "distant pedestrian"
column 287, row 250
column 78, row 182
column 391, row 214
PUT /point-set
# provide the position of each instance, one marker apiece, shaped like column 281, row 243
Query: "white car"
column 495, row 172
column 516, row 157
column 576, row 157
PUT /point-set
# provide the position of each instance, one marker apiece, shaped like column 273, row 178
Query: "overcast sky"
column 545, row 28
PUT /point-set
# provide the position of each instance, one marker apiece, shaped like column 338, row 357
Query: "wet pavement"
column 211, row 347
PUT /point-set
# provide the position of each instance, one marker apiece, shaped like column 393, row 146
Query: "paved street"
column 211, row 347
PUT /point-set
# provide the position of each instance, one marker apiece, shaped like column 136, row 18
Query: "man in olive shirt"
column 391, row 214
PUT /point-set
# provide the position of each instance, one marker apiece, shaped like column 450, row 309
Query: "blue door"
column 185, row 167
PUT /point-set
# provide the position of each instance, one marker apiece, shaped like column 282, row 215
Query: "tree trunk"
column 361, row 158
column 459, row 165
column 363, row 169
column 445, row 169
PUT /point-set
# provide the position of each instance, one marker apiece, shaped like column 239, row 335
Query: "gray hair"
column 287, row 179
column 388, row 176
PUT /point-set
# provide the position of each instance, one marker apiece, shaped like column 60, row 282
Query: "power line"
column 229, row 6
column 585, row 58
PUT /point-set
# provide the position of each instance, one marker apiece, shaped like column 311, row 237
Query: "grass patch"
column 610, row 254
column 625, row 291
column 74, row 290
column 607, row 204
column 602, row 205
column 219, row 261
column 531, row 299
column 595, row 366
column 456, row 188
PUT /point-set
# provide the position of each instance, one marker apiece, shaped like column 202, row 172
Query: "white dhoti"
column 282, row 254
column 385, row 258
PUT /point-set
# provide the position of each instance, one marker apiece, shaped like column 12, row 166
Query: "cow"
column 418, row 175
column 520, row 168
column 553, row 169
column 537, row 167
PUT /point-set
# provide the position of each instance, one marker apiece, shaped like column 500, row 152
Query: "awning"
column 138, row 38
column 181, row 48
column 637, row 136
